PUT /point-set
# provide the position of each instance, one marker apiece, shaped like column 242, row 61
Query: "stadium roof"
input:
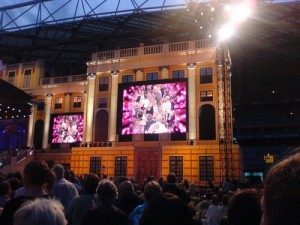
column 67, row 43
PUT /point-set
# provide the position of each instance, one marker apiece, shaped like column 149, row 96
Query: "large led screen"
column 67, row 128
column 154, row 108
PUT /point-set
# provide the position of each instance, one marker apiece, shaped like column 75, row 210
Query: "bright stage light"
column 225, row 32
column 227, row 8
column 236, row 14
column 240, row 12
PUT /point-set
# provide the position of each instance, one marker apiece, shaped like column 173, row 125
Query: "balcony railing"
column 66, row 79
column 106, row 55
column 178, row 46
column 128, row 52
column 153, row 49
column 205, row 43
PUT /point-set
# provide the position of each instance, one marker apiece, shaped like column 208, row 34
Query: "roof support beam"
column 46, row 12
column 20, row 5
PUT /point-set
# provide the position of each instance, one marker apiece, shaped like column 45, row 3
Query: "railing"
column 128, row 52
column 153, row 49
column 66, row 79
column 57, row 80
column 79, row 78
column 21, row 155
column 178, row 46
column 9, row 157
column 106, row 55
column 204, row 43
column 46, row 81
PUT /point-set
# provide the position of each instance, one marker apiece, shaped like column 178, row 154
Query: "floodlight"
column 240, row 12
column 226, row 32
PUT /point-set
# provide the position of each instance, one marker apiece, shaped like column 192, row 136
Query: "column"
column 47, row 121
column 192, row 101
column 30, row 126
column 139, row 75
column 90, row 107
column 84, row 113
column 67, row 102
column 165, row 72
column 113, row 106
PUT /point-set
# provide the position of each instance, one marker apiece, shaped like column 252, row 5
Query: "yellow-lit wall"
column 80, row 159
column 191, row 156
column 37, row 70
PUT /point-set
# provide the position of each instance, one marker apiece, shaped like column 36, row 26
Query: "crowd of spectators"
column 56, row 197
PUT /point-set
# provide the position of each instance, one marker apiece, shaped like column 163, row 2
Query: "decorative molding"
column 114, row 72
column 191, row 65
column 164, row 67
column 91, row 75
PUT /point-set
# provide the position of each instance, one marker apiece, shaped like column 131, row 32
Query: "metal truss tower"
column 225, row 111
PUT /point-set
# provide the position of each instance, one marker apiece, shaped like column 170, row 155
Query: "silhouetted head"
column 152, row 190
column 90, row 184
column 281, row 199
column 171, row 178
column 215, row 200
column 244, row 208
column 167, row 209
column 126, row 189
column 59, row 171
column 107, row 192
column 37, row 173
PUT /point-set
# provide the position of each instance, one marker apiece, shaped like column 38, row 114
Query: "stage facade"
column 138, row 112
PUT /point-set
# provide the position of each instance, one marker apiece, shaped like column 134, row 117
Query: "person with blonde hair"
column 41, row 211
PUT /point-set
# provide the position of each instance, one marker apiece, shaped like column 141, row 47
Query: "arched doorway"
column 207, row 123
column 101, row 126
column 38, row 134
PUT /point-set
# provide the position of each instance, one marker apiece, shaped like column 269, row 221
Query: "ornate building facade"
column 196, row 154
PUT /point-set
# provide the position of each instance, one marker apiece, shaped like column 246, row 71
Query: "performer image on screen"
column 152, row 108
column 67, row 129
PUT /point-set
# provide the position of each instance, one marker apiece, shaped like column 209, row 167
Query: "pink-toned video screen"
column 67, row 128
column 154, row 108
